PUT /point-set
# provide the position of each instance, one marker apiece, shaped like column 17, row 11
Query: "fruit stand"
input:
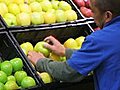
column 14, row 33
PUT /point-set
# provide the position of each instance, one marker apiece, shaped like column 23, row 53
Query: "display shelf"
column 8, row 51
column 62, row 33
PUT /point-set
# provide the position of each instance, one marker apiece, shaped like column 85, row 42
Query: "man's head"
column 104, row 10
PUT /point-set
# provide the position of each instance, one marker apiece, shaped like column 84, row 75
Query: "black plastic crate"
column 80, row 18
column 2, row 26
column 8, row 51
column 62, row 33
column 87, row 18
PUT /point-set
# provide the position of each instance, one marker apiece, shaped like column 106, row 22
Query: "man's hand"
column 55, row 46
column 34, row 56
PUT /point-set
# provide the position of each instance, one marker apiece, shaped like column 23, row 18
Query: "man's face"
column 97, row 15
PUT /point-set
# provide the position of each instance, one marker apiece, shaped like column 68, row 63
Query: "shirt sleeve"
column 87, row 58
column 60, row 71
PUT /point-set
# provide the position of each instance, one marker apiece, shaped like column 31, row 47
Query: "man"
column 100, row 51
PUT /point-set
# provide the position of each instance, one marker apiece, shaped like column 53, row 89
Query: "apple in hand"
column 79, row 3
column 39, row 47
column 86, row 11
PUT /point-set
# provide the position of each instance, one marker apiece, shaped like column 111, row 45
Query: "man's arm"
column 60, row 71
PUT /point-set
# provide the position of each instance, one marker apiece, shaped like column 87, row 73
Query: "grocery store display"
column 84, row 7
column 36, row 12
column 12, row 74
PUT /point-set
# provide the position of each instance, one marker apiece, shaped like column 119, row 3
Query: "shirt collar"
column 114, row 20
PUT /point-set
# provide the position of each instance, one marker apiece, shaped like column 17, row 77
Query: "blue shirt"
column 100, row 53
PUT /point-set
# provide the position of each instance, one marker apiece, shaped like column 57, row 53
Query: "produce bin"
column 80, row 18
column 82, row 4
column 62, row 33
column 2, row 27
column 8, row 51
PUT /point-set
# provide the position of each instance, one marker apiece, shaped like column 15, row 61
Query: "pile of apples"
column 84, row 7
column 13, row 77
column 36, row 12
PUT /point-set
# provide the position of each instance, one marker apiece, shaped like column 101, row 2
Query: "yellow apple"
column 64, row 5
column 35, row 7
column 37, row 18
column 18, row 1
column 25, row 8
column 71, row 43
column 46, row 5
column 49, row 18
column 13, row 8
column 45, row 77
column 55, row 4
column 71, row 15
column 3, row 9
column 60, row 16
column 80, row 40
column 29, row 1
column 23, row 19
column 27, row 46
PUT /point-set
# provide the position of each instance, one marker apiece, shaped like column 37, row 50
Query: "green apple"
column 6, row 66
column 80, row 40
column 17, row 64
column 11, row 85
column 46, row 5
column 3, row 9
column 2, row 86
column 71, row 15
column 27, row 46
column 71, row 43
column 10, row 19
column 46, row 78
column 28, row 82
column 60, row 16
column 55, row 4
column 35, row 7
column 39, row 47
column 64, row 5
column 23, row 19
column 19, row 76
column 25, row 8
column 3, row 77
column 11, row 77
column 13, row 8
column 49, row 17
column 37, row 18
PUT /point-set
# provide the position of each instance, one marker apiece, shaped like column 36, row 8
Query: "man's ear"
column 108, row 16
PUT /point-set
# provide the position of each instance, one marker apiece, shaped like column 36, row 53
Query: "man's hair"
column 109, row 5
